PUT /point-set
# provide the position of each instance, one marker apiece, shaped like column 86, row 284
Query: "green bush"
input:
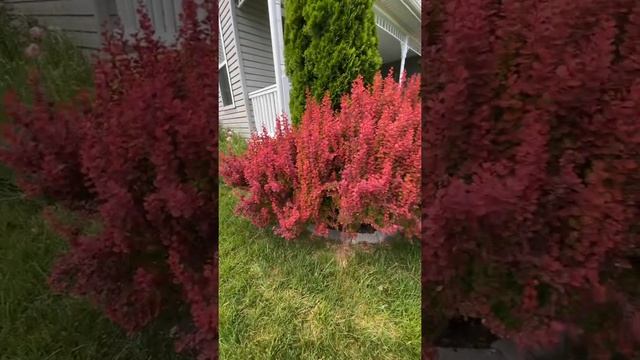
column 64, row 68
column 328, row 43
column 230, row 142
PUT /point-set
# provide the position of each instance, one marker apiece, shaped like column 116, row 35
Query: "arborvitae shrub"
column 135, row 165
column 531, row 171
column 339, row 169
column 328, row 43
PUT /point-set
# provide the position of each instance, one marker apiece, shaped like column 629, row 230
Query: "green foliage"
column 231, row 142
column 328, row 43
column 63, row 67
column 64, row 70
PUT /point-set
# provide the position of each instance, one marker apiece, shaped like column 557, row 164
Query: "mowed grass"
column 314, row 299
column 36, row 324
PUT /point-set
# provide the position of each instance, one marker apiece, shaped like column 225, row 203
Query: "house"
column 82, row 20
column 254, row 88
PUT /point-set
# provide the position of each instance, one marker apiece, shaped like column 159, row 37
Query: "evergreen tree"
column 328, row 43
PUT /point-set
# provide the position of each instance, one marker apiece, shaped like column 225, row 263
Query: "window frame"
column 224, row 64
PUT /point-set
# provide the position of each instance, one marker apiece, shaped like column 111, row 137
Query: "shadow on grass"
column 397, row 253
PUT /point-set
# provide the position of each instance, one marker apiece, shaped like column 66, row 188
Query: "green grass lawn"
column 313, row 299
column 35, row 324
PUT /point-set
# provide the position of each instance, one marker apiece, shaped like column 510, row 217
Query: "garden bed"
column 365, row 236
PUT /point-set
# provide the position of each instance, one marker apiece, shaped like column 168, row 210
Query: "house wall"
column 164, row 16
column 255, row 44
column 78, row 19
column 254, row 38
column 236, row 116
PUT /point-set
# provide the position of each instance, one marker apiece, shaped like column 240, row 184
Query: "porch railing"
column 164, row 15
column 264, row 103
column 386, row 24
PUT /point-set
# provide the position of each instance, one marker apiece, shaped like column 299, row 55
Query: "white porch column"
column 277, row 47
column 403, row 56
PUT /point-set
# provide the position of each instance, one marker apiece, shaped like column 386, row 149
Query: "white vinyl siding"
column 255, row 44
column 78, row 19
column 233, row 117
column 164, row 16
column 254, row 36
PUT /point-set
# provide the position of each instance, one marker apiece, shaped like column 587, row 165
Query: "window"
column 224, row 81
column 225, row 86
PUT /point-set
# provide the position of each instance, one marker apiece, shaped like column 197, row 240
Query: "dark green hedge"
column 328, row 43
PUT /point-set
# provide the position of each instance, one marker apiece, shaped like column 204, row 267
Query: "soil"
column 467, row 333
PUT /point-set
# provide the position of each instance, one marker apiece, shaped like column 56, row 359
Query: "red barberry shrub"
column 265, row 174
column 139, row 159
column 359, row 166
column 531, row 169
column 44, row 145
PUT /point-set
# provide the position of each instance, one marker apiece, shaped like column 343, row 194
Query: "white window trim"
column 220, row 66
